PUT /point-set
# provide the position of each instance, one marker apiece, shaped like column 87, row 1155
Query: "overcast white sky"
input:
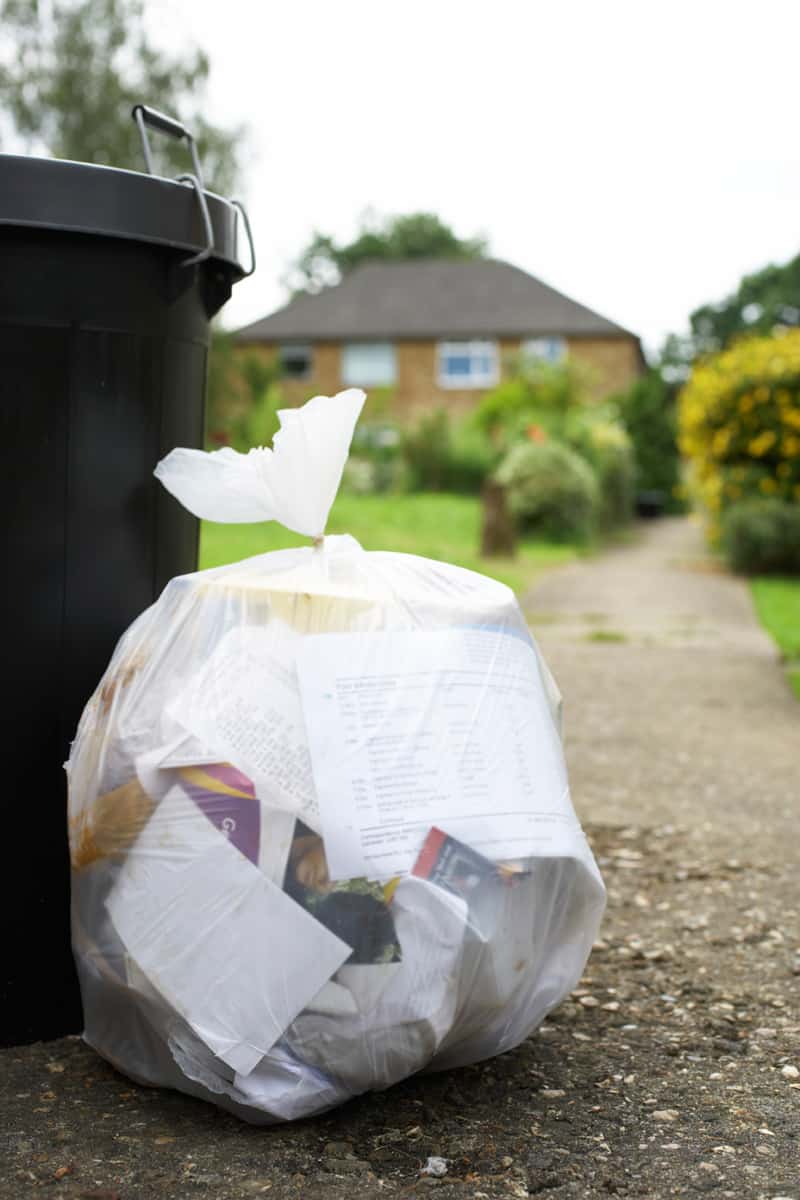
column 640, row 155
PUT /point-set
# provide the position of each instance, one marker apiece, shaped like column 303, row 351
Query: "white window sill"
column 469, row 384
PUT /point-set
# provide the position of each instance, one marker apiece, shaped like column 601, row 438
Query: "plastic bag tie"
column 295, row 482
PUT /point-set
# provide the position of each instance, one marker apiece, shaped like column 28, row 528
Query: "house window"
column 296, row 361
column 368, row 364
column 547, row 349
column 468, row 364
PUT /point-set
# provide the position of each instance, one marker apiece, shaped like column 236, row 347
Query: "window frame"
column 472, row 348
column 527, row 348
column 297, row 347
column 350, row 379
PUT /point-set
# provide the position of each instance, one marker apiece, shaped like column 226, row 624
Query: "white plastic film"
column 294, row 483
column 320, row 827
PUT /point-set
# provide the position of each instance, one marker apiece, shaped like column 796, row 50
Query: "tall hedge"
column 739, row 421
column 648, row 412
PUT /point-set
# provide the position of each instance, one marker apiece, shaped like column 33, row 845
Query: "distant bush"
column 762, row 537
column 649, row 413
column 545, row 402
column 444, row 457
column 599, row 438
column 534, row 393
column 239, row 380
column 552, row 491
column 258, row 424
column 359, row 477
column 740, row 423
column 376, row 462
column 472, row 458
column 426, row 450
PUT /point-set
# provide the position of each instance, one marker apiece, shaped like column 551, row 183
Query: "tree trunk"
column 499, row 532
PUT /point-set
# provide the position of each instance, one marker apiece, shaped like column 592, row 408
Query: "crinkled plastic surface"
column 262, row 485
column 321, row 834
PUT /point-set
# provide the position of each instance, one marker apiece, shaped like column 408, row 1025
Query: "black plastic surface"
column 50, row 193
column 103, row 346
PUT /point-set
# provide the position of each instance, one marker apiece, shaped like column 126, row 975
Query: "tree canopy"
column 72, row 70
column 765, row 301
column 396, row 238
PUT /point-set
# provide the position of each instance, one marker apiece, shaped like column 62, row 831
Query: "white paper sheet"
column 333, row 1000
column 244, row 704
column 453, row 729
column 225, row 947
column 367, row 982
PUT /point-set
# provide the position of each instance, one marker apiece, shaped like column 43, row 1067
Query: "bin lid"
column 52, row 193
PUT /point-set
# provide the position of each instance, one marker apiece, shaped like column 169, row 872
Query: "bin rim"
column 65, row 196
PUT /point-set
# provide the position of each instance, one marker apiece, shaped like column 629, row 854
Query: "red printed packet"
column 458, row 868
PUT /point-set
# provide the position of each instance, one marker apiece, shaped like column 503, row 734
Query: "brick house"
column 436, row 332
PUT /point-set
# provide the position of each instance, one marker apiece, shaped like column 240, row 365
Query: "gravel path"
column 673, row 1070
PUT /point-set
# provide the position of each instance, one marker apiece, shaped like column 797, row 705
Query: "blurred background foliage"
column 72, row 70
column 724, row 396
column 324, row 261
column 648, row 412
column 764, row 303
column 740, row 430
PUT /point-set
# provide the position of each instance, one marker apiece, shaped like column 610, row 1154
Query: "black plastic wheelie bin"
column 108, row 282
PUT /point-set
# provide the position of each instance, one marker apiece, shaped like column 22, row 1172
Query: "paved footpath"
column 677, row 711
column 673, row 1070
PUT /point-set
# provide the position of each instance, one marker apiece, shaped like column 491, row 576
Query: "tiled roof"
column 429, row 298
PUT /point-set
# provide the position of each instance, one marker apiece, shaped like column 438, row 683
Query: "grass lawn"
column 433, row 525
column 778, row 606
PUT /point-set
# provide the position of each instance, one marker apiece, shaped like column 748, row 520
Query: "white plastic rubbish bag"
column 320, row 826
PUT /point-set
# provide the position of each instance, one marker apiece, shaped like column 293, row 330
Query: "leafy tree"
column 648, row 412
column 414, row 235
column 72, row 70
column 242, row 396
column 764, row 302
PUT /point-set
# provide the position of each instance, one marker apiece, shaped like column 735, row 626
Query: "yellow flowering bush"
column 739, row 423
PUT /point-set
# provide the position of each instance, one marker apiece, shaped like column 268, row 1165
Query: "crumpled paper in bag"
column 390, row 708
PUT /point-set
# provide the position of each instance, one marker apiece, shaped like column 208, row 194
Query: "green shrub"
column 616, row 475
column 600, row 439
column 426, row 449
column 541, row 402
column 534, row 393
column 441, row 457
column 552, row 491
column 359, row 478
column 376, row 456
column 472, row 458
column 238, row 381
column 259, row 423
column 762, row 537
column 739, row 416
column 649, row 414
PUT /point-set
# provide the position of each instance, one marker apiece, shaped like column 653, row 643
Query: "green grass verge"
column 777, row 603
column 433, row 525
